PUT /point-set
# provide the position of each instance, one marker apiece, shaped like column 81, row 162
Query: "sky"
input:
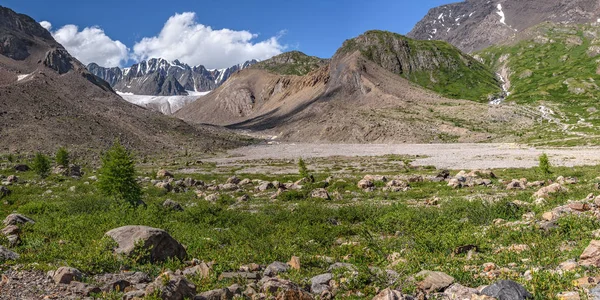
column 214, row 33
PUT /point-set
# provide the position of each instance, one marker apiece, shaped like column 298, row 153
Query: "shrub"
column 62, row 157
column 304, row 171
column 116, row 177
column 41, row 165
column 544, row 165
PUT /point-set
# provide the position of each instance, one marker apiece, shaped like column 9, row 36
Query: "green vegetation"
column 302, row 170
column 435, row 65
column 62, row 157
column 292, row 63
column 557, row 67
column 357, row 227
column 41, row 165
column 544, row 165
column 117, row 175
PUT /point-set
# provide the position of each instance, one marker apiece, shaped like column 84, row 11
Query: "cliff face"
column 476, row 24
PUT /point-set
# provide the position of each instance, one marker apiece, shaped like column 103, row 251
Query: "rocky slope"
column 476, row 24
column 159, row 77
column 49, row 99
column 292, row 63
column 363, row 95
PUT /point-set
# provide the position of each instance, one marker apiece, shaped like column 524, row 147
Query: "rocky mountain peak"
column 476, row 24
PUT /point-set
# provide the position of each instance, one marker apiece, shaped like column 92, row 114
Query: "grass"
column 70, row 227
column 435, row 65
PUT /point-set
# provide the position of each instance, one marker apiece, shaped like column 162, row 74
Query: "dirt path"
column 451, row 156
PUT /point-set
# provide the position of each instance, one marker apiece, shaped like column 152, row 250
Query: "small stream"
column 505, row 92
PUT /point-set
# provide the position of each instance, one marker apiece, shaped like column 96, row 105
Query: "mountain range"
column 49, row 99
column 160, row 77
column 473, row 25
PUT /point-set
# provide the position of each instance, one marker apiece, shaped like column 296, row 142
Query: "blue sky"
column 311, row 26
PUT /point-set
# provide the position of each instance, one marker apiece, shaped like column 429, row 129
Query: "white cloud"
column 184, row 39
column 90, row 45
column 46, row 25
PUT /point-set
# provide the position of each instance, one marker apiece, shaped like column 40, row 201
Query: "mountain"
column 368, row 92
column 292, row 63
column 159, row 77
column 554, row 69
column 473, row 25
column 49, row 99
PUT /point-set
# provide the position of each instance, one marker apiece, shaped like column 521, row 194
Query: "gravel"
column 449, row 156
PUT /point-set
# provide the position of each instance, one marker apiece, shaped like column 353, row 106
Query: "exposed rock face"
column 476, row 24
column 162, row 246
column 160, row 77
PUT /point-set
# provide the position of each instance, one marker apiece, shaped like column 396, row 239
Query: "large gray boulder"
column 6, row 254
column 160, row 244
column 507, row 290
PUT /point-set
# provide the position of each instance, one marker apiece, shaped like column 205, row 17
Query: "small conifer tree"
column 544, row 165
column 41, row 165
column 62, row 157
column 116, row 177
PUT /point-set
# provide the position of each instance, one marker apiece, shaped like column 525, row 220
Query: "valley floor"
column 450, row 156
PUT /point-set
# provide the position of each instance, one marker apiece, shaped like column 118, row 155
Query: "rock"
column 320, row 283
column 65, row 275
column 569, row 265
column 506, row 290
column 164, row 185
column 547, row 190
column 389, row 294
column 579, row 206
column 75, row 171
column 16, row 219
column 320, row 194
column 365, row 184
column 170, row 286
column 375, row 178
column 163, row 174
column 265, row 186
column 160, row 244
column 294, row 263
column 276, row 268
column 4, row 192
column 339, row 265
column 212, row 198
column 517, row 185
column 550, row 216
column 117, row 285
column 10, row 230
column 432, row 281
column 568, row 296
column 201, row 269
column 233, row 180
column 6, row 254
column 12, row 179
column 595, row 293
column 243, row 198
column 459, row 292
column 13, row 240
column 21, row 168
column 454, row 183
column 137, row 294
column 591, row 255
column 245, row 181
column 172, row 205
column 218, row 294
column 252, row 276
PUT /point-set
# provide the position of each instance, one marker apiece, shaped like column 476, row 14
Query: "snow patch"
column 441, row 16
column 501, row 14
column 165, row 104
column 21, row 77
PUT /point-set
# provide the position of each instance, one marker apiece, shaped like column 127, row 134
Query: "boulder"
column 432, row 281
column 591, row 255
column 320, row 194
column 161, row 245
column 506, row 290
column 320, row 283
column 218, row 294
column 201, row 269
column 6, row 254
column 170, row 286
column 365, row 184
column 163, row 174
column 16, row 219
column 276, row 268
column 389, row 294
column 21, row 168
column 459, row 292
column 65, row 275
column 172, row 205
column 568, row 296
column 233, row 180
column 10, row 230
column 4, row 192
column 546, row 191
column 12, row 179
column 517, row 185
column 265, row 186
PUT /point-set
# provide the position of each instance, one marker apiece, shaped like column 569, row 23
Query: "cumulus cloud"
column 90, row 45
column 46, row 25
column 184, row 39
